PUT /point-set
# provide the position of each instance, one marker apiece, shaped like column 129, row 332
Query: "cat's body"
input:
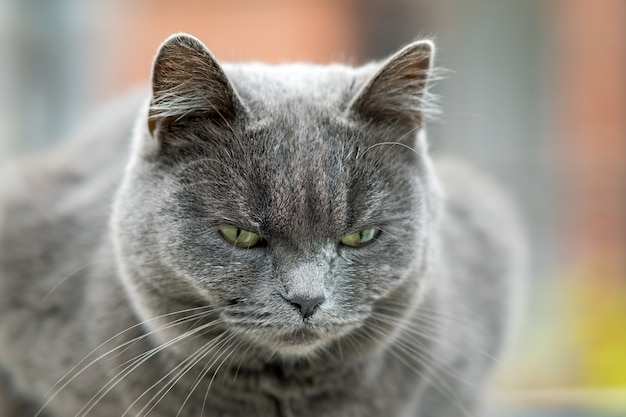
column 407, row 325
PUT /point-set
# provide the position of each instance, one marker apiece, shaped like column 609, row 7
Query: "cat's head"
column 278, row 206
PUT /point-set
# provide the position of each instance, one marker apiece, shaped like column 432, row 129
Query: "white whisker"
column 133, row 366
column 113, row 350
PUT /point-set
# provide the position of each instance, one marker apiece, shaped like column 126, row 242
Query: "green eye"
column 360, row 238
column 239, row 237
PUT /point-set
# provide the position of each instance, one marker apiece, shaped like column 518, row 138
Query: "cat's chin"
column 297, row 352
column 295, row 345
column 303, row 343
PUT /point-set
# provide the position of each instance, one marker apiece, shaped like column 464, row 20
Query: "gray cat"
column 274, row 242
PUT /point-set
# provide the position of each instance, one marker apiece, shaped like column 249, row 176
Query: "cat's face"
column 289, row 217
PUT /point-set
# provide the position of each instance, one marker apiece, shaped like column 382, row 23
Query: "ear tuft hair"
column 187, row 79
column 398, row 91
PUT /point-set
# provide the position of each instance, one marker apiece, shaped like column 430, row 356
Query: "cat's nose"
column 305, row 304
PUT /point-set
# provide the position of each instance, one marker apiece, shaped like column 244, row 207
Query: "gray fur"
column 119, row 297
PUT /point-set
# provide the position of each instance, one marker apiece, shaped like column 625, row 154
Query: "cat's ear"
column 187, row 80
column 397, row 92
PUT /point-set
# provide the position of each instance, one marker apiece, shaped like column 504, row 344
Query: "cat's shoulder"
column 101, row 144
column 479, row 218
column 58, row 194
column 473, row 194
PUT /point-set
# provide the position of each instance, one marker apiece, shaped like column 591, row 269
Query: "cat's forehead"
column 266, row 87
column 318, row 179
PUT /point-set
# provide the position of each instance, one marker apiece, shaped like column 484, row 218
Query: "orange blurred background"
column 536, row 96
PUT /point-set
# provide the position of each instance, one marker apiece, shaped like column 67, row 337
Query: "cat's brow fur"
column 119, row 297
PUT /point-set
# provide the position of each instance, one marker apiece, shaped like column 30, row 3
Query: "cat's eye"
column 360, row 238
column 239, row 237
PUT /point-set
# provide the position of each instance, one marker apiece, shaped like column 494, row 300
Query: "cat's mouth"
column 301, row 336
column 287, row 341
column 303, row 342
column 289, row 335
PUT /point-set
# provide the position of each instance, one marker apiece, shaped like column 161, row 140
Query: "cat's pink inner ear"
column 397, row 92
column 187, row 79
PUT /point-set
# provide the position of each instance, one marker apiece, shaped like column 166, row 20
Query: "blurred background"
column 536, row 95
